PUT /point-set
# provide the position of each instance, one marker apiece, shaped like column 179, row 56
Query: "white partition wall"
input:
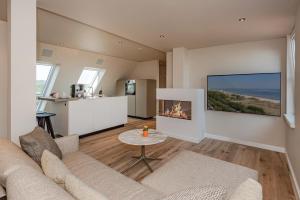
column 22, row 60
column 190, row 130
column 3, row 79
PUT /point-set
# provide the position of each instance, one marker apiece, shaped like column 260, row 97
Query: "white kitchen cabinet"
column 86, row 116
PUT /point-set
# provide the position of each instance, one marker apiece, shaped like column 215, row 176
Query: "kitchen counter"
column 84, row 116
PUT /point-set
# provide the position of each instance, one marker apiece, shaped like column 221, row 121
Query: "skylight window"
column 91, row 77
column 45, row 78
column 43, row 73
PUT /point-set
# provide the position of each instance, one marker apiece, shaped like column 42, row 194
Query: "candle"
column 145, row 131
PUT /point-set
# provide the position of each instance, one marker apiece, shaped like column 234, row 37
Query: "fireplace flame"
column 176, row 111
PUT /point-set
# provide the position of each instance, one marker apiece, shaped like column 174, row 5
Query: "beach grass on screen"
column 245, row 93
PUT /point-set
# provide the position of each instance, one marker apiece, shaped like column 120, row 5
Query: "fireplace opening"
column 175, row 109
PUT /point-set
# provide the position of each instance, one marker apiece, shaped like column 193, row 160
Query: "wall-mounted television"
column 258, row 93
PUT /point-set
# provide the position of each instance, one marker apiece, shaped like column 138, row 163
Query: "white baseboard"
column 294, row 180
column 185, row 138
column 248, row 143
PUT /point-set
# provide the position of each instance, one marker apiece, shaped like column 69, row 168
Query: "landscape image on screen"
column 245, row 93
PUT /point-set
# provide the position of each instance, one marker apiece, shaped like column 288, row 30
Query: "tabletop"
column 135, row 137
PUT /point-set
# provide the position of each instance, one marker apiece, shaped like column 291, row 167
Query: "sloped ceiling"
column 62, row 31
column 188, row 23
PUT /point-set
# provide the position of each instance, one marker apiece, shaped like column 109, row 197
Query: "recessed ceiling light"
column 243, row 19
column 162, row 36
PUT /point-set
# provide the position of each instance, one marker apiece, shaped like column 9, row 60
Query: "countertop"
column 57, row 100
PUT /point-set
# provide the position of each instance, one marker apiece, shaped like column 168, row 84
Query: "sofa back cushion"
column 107, row 181
column 36, row 142
column 28, row 184
column 68, row 144
column 12, row 158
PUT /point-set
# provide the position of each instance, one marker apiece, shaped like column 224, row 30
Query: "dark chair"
column 43, row 119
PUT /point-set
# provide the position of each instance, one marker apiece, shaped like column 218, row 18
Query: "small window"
column 290, row 80
column 293, row 48
column 44, row 82
column 91, row 77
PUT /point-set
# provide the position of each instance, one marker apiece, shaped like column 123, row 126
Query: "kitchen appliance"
column 141, row 95
column 78, row 90
column 130, row 87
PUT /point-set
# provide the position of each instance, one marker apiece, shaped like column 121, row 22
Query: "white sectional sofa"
column 185, row 170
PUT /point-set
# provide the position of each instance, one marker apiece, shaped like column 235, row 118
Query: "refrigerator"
column 141, row 95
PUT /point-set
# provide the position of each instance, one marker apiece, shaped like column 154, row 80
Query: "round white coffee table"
column 135, row 137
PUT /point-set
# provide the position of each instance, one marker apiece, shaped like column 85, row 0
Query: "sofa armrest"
column 68, row 144
column 28, row 183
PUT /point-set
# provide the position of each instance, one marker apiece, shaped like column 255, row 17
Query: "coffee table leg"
column 144, row 158
column 149, row 158
column 147, row 164
column 141, row 158
column 133, row 165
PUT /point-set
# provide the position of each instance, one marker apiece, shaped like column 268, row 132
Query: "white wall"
column 250, row 57
column 169, row 70
column 146, row 70
column 72, row 62
column 180, row 68
column 3, row 79
column 293, row 135
column 22, row 59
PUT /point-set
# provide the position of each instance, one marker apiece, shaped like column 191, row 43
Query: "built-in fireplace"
column 175, row 109
column 181, row 104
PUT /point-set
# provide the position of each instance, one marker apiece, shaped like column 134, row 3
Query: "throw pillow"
column 54, row 168
column 80, row 190
column 248, row 190
column 209, row 192
column 36, row 142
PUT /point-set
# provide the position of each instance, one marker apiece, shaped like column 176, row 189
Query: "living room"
column 149, row 99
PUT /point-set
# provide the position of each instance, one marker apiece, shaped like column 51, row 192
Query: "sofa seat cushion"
column 189, row 169
column 12, row 158
column 107, row 181
column 82, row 191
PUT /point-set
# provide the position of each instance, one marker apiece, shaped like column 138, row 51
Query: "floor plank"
column 272, row 167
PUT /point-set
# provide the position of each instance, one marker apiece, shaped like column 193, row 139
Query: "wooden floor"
column 274, row 174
